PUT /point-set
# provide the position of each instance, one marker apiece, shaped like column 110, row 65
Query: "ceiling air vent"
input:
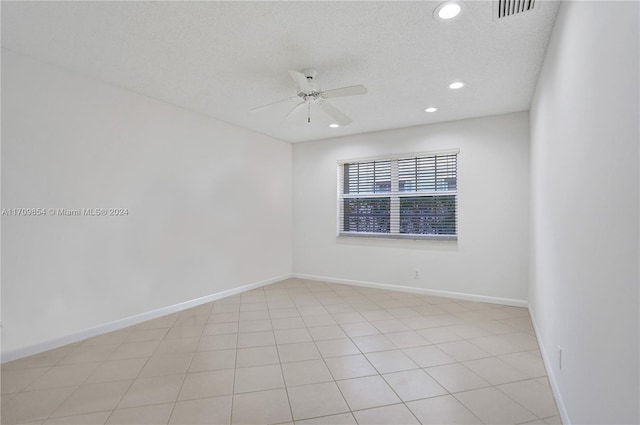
column 513, row 7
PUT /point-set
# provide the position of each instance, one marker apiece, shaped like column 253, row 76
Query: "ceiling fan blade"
column 301, row 81
column 344, row 91
column 274, row 103
column 295, row 108
column 338, row 116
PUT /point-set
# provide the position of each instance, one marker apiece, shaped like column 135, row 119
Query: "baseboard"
column 420, row 291
column 555, row 389
column 132, row 320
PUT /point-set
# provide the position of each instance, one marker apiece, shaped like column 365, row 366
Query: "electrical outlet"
column 559, row 357
column 416, row 273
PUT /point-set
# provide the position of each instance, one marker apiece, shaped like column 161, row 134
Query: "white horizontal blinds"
column 427, row 173
column 432, row 183
column 403, row 196
column 367, row 177
column 361, row 212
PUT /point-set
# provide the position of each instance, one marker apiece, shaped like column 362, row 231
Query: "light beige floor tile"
column 463, row 350
column 224, row 317
column 157, row 414
column 117, row 337
column 319, row 320
column 262, row 407
column 340, row 419
column 309, row 401
column 177, row 346
column 158, row 389
column 371, row 343
column 440, row 335
column 284, row 313
column 147, row 335
column 215, row 410
column 394, row 414
column 533, row 396
column 221, row 328
column 15, row 380
column 442, row 410
column 305, row 372
column 29, row 406
column 98, row 418
column 169, row 364
column 492, row 406
column 349, row 317
column 298, row 352
column 117, row 370
column 428, row 356
column 213, row 360
column 311, row 310
column 413, row 385
column 254, row 326
column 225, row 308
column 456, row 377
column 288, row 323
column 134, row 350
column 320, row 333
column 391, row 361
column 375, row 315
column 346, row 367
column 290, row 336
column 497, row 344
column 256, row 339
column 207, row 384
column 495, row 371
column 529, row 364
column 554, row 420
column 64, row 376
column 90, row 398
column 258, row 378
column 407, row 339
column 359, row 329
column 366, row 392
column 390, row 325
column 48, row 358
column 337, row 347
column 253, row 306
column 88, row 354
column 185, row 331
column 257, row 356
column 217, row 342
column 254, row 315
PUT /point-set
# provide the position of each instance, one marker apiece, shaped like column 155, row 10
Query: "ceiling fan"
column 308, row 93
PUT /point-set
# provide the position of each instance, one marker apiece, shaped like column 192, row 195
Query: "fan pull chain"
column 308, row 112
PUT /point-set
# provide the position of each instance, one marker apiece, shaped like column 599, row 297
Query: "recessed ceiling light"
column 447, row 10
column 456, row 85
column 334, row 125
column 431, row 109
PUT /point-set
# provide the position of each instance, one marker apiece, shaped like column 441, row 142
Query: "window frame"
column 395, row 195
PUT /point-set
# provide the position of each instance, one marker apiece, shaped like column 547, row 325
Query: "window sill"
column 398, row 236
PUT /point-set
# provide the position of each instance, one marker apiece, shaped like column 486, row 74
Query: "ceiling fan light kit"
column 309, row 93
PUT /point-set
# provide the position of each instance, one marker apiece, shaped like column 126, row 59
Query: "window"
column 408, row 196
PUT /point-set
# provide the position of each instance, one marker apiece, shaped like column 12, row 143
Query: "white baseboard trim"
column 420, row 291
column 562, row 410
column 132, row 320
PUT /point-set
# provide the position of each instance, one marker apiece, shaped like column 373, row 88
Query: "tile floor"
column 303, row 351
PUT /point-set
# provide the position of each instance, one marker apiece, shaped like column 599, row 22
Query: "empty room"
column 304, row 212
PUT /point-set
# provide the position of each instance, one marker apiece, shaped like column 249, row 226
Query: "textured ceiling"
column 224, row 58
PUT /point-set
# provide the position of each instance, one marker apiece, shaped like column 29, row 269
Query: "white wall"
column 209, row 204
column 490, row 257
column 584, row 286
